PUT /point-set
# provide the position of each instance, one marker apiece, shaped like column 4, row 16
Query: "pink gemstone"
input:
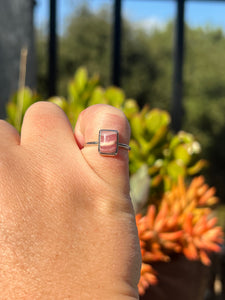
column 108, row 142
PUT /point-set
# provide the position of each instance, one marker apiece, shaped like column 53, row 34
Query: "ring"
column 108, row 142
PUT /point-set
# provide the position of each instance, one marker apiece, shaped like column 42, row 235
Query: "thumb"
column 112, row 169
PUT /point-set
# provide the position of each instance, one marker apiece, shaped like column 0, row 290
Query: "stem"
column 21, row 86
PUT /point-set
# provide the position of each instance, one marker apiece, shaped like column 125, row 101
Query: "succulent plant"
column 166, row 155
column 171, row 217
column 183, row 223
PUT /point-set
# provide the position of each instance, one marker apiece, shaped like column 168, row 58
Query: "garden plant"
column 172, row 202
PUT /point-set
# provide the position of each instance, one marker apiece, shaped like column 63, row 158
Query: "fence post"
column 116, row 53
column 52, row 64
column 177, row 107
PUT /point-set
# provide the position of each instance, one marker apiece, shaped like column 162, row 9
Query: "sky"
column 147, row 13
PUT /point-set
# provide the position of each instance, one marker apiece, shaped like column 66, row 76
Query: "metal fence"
column 177, row 109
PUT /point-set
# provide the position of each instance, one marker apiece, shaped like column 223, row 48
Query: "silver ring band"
column 121, row 145
column 108, row 142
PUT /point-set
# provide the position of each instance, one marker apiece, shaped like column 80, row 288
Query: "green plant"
column 166, row 155
column 173, row 216
column 18, row 104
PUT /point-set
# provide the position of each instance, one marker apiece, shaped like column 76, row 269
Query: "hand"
column 67, row 227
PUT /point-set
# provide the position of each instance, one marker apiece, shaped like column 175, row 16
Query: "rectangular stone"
column 108, row 142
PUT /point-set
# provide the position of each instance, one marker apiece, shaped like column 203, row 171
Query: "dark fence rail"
column 52, row 67
column 177, row 108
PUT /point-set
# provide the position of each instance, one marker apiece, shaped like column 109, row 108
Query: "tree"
column 87, row 41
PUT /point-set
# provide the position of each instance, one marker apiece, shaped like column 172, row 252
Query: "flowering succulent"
column 183, row 223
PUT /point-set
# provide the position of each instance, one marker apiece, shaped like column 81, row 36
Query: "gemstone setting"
column 108, row 142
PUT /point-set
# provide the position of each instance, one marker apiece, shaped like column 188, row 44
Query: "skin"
column 67, row 226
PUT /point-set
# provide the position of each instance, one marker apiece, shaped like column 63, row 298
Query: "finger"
column 8, row 135
column 46, row 124
column 112, row 169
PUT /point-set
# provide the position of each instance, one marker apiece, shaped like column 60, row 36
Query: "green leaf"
column 151, row 161
column 135, row 152
column 175, row 169
column 81, row 79
column 158, row 137
column 115, row 96
column 181, row 137
column 186, row 137
column 73, row 93
column 130, row 108
column 155, row 119
column 25, row 99
column 174, row 142
column 196, row 168
column 60, row 101
column 137, row 126
column 181, row 153
column 98, row 96
column 145, row 146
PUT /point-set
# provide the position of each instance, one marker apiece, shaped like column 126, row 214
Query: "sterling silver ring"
column 108, row 142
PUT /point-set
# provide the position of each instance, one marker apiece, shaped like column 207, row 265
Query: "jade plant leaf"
column 60, row 101
column 130, row 108
column 155, row 119
column 175, row 169
column 98, row 96
column 181, row 153
column 81, row 79
column 197, row 167
column 115, row 96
